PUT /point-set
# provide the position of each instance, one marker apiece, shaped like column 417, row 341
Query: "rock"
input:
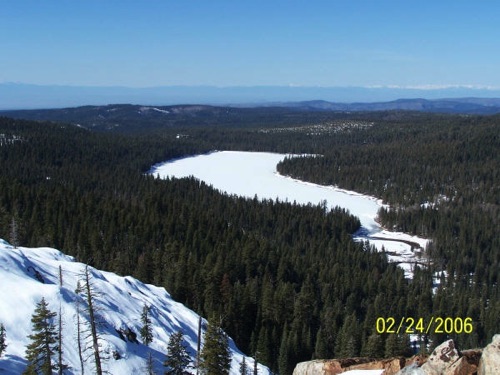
column 441, row 359
column 461, row 367
column 444, row 360
column 338, row 366
column 309, row 368
column 490, row 359
column 413, row 369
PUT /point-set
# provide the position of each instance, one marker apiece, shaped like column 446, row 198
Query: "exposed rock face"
column 338, row 366
column 490, row 359
column 444, row 360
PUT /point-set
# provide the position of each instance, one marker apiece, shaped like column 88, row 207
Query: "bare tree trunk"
column 93, row 324
column 199, row 347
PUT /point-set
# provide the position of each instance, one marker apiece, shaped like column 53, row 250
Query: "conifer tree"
column 215, row 355
column 374, row 346
column 3, row 344
column 284, row 362
column 243, row 367
column 178, row 359
column 146, row 329
column 43, row 343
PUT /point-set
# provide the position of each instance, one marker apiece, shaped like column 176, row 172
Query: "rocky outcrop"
column 338, row 366
column 446, row 359
column 490, row 359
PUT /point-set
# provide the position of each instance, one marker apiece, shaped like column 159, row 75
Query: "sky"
column 148, row 43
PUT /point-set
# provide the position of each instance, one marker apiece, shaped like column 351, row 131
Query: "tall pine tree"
column 43, row 343
column 178, row 359
column 146, row 329
column 215, row 355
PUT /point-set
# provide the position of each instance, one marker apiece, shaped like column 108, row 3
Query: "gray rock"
column 413, row 369
column 490, row 359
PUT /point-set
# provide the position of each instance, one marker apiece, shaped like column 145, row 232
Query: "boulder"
column 441, row 359
column 490, row 359
column 309, row 368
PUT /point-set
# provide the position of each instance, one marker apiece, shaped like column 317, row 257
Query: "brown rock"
column 461, row 367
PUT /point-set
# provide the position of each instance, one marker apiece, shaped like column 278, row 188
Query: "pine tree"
column 178, row 358
column 284, row 364
column 3, row 344
column 243, row 367
column 146, row 329
column 215, row 355
column 374, row 346
column 43, row 341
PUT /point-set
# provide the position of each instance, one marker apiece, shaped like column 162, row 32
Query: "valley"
column 250, row 174
column 287, row 249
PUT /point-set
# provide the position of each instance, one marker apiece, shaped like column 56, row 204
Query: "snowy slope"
column 120, row 301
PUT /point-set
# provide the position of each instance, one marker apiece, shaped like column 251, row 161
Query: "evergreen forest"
column 288, row 281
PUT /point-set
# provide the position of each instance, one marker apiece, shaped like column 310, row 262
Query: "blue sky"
column 146, row 43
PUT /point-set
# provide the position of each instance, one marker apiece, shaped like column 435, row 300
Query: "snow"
column 254, row 173
column 147, row 109
column 119, row 300
column 160, row 110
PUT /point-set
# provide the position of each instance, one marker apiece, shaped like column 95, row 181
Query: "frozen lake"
column 254, row 173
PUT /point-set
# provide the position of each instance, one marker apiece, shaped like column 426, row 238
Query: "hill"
column 28, row 274
column 140, row 118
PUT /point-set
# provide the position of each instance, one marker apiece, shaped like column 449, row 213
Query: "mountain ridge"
column 135, row 117
column 448, row 105
column 30, row 96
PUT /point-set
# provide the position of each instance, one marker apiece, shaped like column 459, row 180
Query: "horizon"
column 21, row 96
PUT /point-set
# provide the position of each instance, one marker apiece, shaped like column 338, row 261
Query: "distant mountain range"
column 461, row 99
column 455, row 105
column 139, row 118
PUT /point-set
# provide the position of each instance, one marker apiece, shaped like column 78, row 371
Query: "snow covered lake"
column 254, row 173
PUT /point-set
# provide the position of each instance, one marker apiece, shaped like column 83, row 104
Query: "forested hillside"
column 440, row 174
column 288, row 280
